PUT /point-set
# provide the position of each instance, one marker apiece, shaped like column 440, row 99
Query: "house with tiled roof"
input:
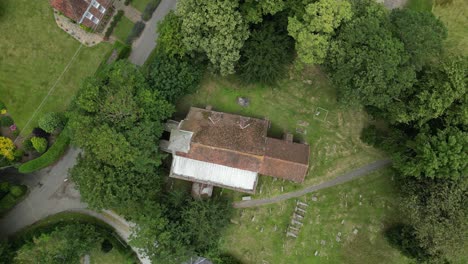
column 89, row 13
column 230, row 151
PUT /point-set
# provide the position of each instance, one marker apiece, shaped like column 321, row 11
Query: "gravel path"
column 338, row 180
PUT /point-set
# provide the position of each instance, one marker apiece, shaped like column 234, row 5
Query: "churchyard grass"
column 123, row 28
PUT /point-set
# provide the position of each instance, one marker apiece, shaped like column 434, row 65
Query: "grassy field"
column 453, row 14
column 305, row 102
column 368, row 204
column 123, row 29
column 34, row 53
column 139, row 4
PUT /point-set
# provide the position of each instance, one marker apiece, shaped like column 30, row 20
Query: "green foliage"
column 402, row 237
column 439, row 155
column 253, row 11
column 2, row 106
column 6, row 121
column 149, row 9
column 170, row 39
column 6, row 252
column 66, row 244
column 136, row 32
column 18, row 190
column 117, row 120
column 51, row 122
column 113, row 24
column 127, row 2
column 12, row 197
column 367, row 63
column 50, row 157
column 421, row 33
column 174, row 77
column 314, row 29
column 27, row 145
column 266, row 54
column 39, row 144
column 215, row 28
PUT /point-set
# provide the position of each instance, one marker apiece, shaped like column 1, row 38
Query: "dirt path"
column 338, row 180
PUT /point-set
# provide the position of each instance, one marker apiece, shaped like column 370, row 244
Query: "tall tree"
column 315, row 28
column 368, row 64
column 253, row 11
column 170, row 39
column 215, row 28
column 421, row 33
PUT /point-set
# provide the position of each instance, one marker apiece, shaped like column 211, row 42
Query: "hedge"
column 149, row 9
column 114, row 22
column 6, row 121
column 12, row 198
column 51, row 156
column 136, row 32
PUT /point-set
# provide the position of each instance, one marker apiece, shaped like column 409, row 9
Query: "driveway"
column 143, row 46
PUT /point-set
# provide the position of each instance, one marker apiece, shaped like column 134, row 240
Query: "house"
column 89, row 13
column 230, row 151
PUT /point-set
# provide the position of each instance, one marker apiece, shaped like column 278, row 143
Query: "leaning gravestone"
column 243, row 101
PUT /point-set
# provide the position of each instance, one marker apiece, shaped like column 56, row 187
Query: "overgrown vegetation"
column 10, row 195
column 135, row 33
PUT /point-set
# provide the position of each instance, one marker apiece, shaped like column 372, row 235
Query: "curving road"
column 338, row 180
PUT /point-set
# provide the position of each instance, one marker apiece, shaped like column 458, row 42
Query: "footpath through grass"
column 34, row 53
column 367, row 205
column 305, row 106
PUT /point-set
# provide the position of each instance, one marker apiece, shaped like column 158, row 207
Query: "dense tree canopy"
column 253, row 11
column 367, row 63
column 170, row 39
column 117, row 121
column 215, row 28
column 314, row 29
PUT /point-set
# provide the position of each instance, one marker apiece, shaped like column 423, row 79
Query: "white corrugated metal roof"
column 214, row 173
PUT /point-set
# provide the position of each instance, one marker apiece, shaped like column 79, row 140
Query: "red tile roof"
column 241, row 142
column 75, row 9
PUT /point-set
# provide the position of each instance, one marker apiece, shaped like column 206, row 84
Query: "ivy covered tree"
column 117, row 121
column 313, row 31
column 267, row 53
column 368, row 64
column 215, row 28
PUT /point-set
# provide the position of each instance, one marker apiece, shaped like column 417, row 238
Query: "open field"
column 123, row 28
column 34, row 53
column 306, row 103
column 368, row 205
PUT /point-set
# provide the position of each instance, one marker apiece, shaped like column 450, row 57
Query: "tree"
column 314, row 29
column 117, row 120
column 253, row 11
column 51, row 121
column 215, row 28
column 368, row 64
column 440, row 155
column 170, row 39
column 39, row 144
column 63, row 245
column 437, row 211
column 7, row 148
column 174, row 77
column 421, row 33
column 439, row 86
column 266, row 54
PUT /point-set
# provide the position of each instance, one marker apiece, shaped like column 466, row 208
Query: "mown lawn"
column 367, row 205
column 420, row 5
column 35, row 51
column 139, row 4
column 305, row 102
column 123, row 29
column 454, row 15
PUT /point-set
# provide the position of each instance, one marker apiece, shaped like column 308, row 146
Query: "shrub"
column 2, row 105
column 149, row 9
column 136, row 32
column 51, row 122
column 39, row 132
column 127, row 2
column 5, row 187
column 27, row 145
column 6, row 121
column 7, row 148
column 39, row 144
column 51, row 156
column 114, row 22
column 18, row 190
column 106, row 246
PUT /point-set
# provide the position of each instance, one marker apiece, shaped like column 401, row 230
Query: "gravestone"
column 243, row 101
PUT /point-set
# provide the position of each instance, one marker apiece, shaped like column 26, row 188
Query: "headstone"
column 355, row 231
column 253, row 218
column 342, row 221
column 339, row 234
column 360, row 203
column 314, row 198
column 234, row 222
column 323, row 242
column 338, row 239
column 246, row 198
column 243, row 101
column 316, row 253
column 301, row 203
column 261, row 230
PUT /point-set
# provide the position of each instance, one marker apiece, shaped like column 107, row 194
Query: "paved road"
column 339, row 180
column 142, row 47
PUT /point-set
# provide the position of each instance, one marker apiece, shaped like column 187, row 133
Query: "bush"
column 136, row 32
column 149, row 9
column 6, row 121
column 39, row 132
column 7, row 148
column 51, row 122
column 370, row 136
column 127, row 2
column 51, row 156
column 39, row 144
column 18, row 190
column 2, row 105
column 27, row 145
column 5, row 187
column 114, row 22
column 106, row 246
